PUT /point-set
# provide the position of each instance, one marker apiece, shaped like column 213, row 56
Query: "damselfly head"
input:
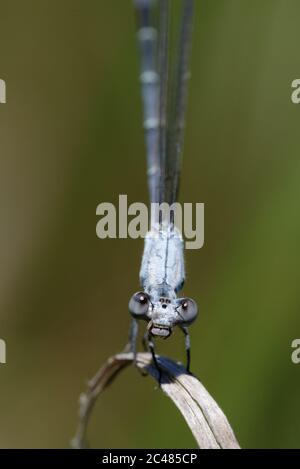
column 163, row 313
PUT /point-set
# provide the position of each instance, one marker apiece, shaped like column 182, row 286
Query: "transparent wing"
column 178, row 102
column 164, row 96
column 149, row 77
column 163, row 71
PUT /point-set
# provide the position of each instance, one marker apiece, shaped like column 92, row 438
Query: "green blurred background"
column 70, row 138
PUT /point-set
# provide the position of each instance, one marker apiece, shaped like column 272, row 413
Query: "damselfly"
column 164, row 92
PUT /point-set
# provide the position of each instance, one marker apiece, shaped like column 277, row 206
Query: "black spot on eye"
column 143, row 299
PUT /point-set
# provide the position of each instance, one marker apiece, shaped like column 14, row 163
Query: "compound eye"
column 139, row 305
column 187, row 310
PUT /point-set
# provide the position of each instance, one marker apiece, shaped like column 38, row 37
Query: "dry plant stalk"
column 206, row 420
